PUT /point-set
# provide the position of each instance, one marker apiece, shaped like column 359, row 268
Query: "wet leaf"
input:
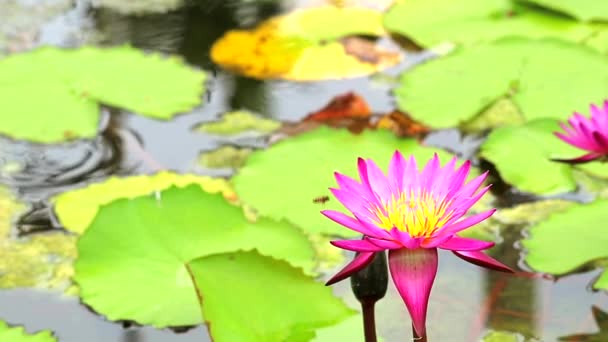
column 76, row 209
column 522, row 155
column 585, row 10
column 569, row 240
column 224, row 157
column 283, row 181
column 307, row 44
column 432, row 22
column 454, row 89
column 402, row 125
column 349, row 105
column 18, row 334
column 132, row 258
column 139, row 7
column 239, row 121
column 68, row 85
column 275, row 300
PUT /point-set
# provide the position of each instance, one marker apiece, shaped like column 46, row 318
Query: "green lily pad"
column 569, row 240
column 132, row 258
column 500, row 113
column 239, row 121
column 599, row 41
column 69, row 85
column 350, row 329
column 454, row 89
column 283, row 181
column 431, row 22
column 585, row 10
column 76, row 209
column 501, row 336
column 18, row 334
column 521, row 154
column 252, row 298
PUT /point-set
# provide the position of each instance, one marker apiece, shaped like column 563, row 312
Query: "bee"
column 320, row 199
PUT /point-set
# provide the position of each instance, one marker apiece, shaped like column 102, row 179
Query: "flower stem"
column 416, row 337
column 369, row 320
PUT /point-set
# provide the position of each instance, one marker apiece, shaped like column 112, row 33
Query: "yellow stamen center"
column 418, row 213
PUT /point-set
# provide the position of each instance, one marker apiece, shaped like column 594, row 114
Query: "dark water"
column 466, row 300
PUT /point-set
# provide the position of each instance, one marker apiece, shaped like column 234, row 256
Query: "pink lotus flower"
column 590, row 134
column 411, row 214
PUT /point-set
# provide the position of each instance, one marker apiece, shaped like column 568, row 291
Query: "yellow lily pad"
column 76, row 209
column 306, row 45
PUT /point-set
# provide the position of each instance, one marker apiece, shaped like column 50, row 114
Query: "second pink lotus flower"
column 588, row 134
column 411, row 213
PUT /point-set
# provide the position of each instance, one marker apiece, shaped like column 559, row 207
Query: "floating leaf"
column 533, row 212
column 501, row 112
column 224, row 157
column 348, row 330
column 132, row 258
column 521, row 154
column 18, row 334
column 431, row 22
column 501, row 336
column 585, row 10
column 283, row 181
column 600, row 41
column 239, row 121
column 68, row 85
column 454, row 89
column 569, row 240
column 139, row 7
column 303, row 45
column 76, row 209
column 248, row 297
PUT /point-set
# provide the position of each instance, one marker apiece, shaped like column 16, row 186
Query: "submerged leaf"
column 304, row 45
column 76, row 209
column 18, row 334
column 224, row 157
column 252, row 298
column 239, row 121
column 283, row 181
column 569, row 240
column 454, row 89
column 67, row 87
column 132, row 258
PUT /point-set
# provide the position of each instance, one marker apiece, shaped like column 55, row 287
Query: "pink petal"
column 469, row 188
column 347, row 222
column 582, row 159
column 355, row 204
column 480, row 259
column 384, row 244
column 433, row 242
column 357, row 264
column 356, row 245
column 396, row 169
column 362, row 167
column 410, row 175
column 457, row 243
column 413, row 272
column 405, row 238
column 349, row 184
column 600, row 140
column 464, row 224
column 577, row 141
column 377, row 180
column 427, row 177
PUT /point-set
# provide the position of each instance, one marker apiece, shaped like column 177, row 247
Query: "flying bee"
column 320, row 199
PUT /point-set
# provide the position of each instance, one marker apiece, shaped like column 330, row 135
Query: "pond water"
column 466, row 301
